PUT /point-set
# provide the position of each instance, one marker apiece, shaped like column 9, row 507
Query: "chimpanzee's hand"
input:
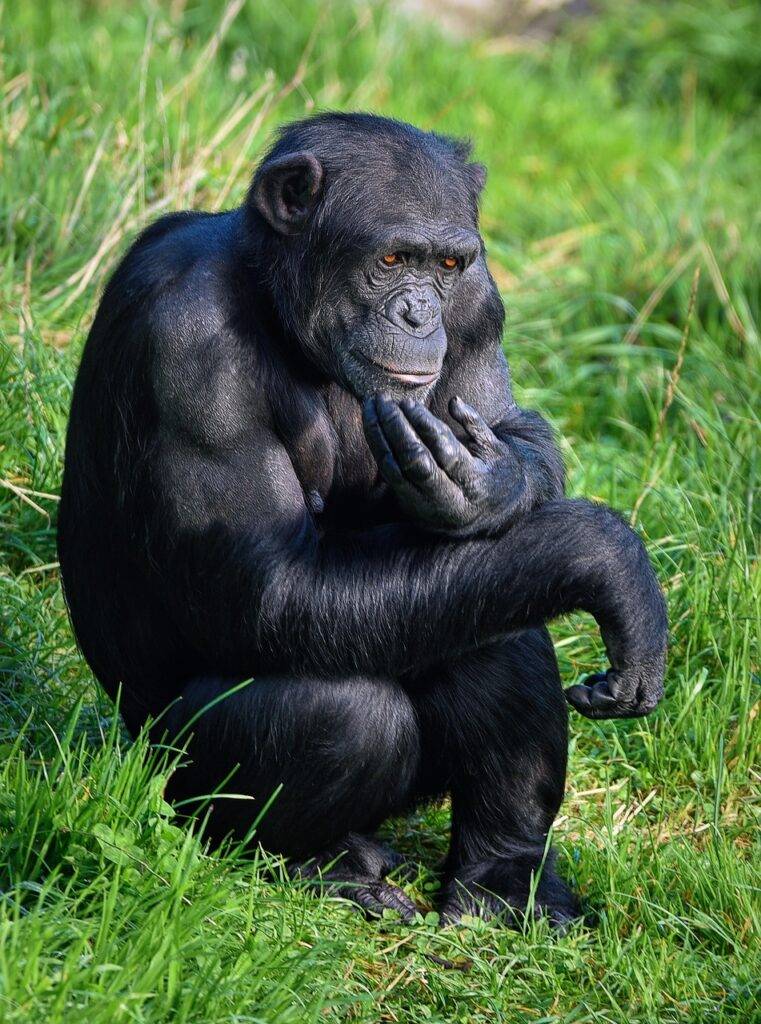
column 620, row 693
column 442, row 484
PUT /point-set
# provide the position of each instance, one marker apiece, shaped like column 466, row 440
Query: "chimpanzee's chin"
column 365, row 386
column 363, row 377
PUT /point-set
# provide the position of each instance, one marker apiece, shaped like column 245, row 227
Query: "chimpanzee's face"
column 387, row 305
column 374, row 230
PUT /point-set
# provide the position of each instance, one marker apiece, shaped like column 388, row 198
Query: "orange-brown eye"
column 449, row 263
column 391, row 259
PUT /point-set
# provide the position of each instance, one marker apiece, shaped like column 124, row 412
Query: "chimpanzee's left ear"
column 477, row 174
column 286, row 189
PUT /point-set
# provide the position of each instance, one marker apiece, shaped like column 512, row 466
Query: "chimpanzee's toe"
column 375, row 897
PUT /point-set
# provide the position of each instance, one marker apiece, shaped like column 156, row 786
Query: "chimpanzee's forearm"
column 533, row 443
column 395, row 602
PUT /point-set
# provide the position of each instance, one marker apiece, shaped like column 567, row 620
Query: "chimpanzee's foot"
column 501, row 887
column 356, row 868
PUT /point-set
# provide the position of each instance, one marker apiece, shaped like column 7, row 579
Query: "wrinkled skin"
column 390, row 333
column 306, row 529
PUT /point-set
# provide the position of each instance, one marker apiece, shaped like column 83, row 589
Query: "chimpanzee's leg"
column 494, row 735
column 343, row 752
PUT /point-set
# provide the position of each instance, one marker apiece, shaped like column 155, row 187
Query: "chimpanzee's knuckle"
column 419, row 465
column 477, row 488
column 410, row 453
column 601, row 697
column 649, row 702
column 448, row 454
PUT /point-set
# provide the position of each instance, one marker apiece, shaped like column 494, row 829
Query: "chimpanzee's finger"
column 478, row 430
column 379, row 446
column 413, row 457
column 423, row 489
column 452, row 456
column 586, row 701
column 603, row 696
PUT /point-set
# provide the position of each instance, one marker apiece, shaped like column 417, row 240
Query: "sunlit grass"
column 623, row 157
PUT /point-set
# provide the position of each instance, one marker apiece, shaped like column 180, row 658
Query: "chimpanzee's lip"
column 414, row 378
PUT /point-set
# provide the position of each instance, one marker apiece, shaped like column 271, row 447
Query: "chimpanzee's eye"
column 391, row 259
column 449, row 263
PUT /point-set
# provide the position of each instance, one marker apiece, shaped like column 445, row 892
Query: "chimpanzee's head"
column 371, row 230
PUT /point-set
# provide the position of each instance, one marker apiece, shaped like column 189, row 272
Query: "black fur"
column 292, row 460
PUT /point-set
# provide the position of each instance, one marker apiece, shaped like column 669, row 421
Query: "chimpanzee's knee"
column 339, row 755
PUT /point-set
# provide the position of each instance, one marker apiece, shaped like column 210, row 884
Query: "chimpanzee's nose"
column 417, row 312
column 409, row 310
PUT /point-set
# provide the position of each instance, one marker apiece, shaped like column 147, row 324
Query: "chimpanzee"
column 305, row 527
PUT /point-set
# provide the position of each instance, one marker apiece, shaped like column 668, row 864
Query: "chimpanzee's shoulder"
column 182, row 260
column 176, row 303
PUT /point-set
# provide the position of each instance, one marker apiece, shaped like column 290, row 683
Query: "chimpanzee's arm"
column 394, row 602
column 261, row 592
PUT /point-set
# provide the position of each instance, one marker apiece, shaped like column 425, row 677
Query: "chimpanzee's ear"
column 477, row 173
column 286, row 189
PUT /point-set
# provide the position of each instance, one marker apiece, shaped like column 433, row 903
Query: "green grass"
column 623, row 157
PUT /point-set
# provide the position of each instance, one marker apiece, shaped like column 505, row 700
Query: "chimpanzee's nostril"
column 410, row 311
column 416, row 313
column 408, row 314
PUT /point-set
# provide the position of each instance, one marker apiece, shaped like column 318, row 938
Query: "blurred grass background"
column 624, row 153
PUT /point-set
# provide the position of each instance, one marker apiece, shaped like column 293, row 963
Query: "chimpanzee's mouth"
column 412, row 378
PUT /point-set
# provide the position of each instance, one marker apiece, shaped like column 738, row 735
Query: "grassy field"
column 624, row 176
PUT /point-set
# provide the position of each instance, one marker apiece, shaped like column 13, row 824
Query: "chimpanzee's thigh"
column 339, row 756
